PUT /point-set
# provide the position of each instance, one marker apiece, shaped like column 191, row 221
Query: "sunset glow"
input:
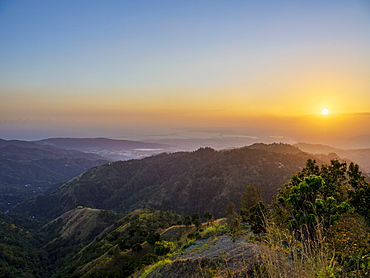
column 133, row 68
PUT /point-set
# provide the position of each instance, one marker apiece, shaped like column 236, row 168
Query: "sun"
column 324, row 111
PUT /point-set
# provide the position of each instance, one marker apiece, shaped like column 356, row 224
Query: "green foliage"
column 256, row 218
column 253, row 210
column 320, row 204
column 215, row 176
column 209, row 217
column 250, row 198
column 118, row 266
column 319, row 196
column 20, row 255
column 188, row 244
column 195, row 219
column 163, row 247
column 156, row 266
column 107, row 247
column 187, row 221
column 149, row 258
column 152, row 238
column 129, row 234
column 233, row 219
column 359, row 196
column 310, row 204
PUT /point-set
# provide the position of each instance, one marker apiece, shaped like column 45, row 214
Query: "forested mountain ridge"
column 185, row 182
column 28, row 171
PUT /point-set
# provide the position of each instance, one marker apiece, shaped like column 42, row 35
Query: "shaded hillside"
column 20, row 255
column 182, row 182
column 26, row 172
column 359, row 156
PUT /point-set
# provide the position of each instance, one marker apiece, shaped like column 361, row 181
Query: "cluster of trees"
column 319, row 205
column 321, row 195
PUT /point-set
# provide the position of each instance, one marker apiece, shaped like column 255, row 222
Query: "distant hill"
column 184, row 182
column 358, row 142
column 110, row 148
column 276, row 147
column 34, row 153
column 18, row 143
column 27, row 171
column 359, row 156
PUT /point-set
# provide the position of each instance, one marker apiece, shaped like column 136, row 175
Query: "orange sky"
column 124, row 69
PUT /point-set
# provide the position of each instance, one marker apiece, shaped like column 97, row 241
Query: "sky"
column 125, row 69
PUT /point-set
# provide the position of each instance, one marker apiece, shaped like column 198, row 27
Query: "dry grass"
column 284, row 256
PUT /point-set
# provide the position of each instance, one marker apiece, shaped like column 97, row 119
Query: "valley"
column 147, row 217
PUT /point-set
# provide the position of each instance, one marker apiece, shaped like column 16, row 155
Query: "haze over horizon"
column 150, row 69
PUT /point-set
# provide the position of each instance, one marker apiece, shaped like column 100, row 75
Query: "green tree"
column 233, row 219
column 163, row 247
column 152, row 238
column 195, row 218
column 256, row 217
column 250, row 198
column 149, row 258
column 187, row 221
column 315, row 200
column 209, row 217
column 253, row 210
column 359, row 194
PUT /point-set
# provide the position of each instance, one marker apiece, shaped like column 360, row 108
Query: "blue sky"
column 77, row 63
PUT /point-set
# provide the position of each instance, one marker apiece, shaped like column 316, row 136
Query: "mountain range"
column 184, row 182
column 28, row 168
column 94, row 217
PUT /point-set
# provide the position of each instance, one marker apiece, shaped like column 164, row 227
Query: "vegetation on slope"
column 26, row 172
column 312, row 236
column 317, row 226
column 178, row 181
column 20, row 253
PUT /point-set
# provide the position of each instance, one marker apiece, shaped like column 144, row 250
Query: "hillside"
column 179, row 182
column 87, row 242
column 20, row 255
column 359, row 156
column 81, row 238
column 26, row 172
